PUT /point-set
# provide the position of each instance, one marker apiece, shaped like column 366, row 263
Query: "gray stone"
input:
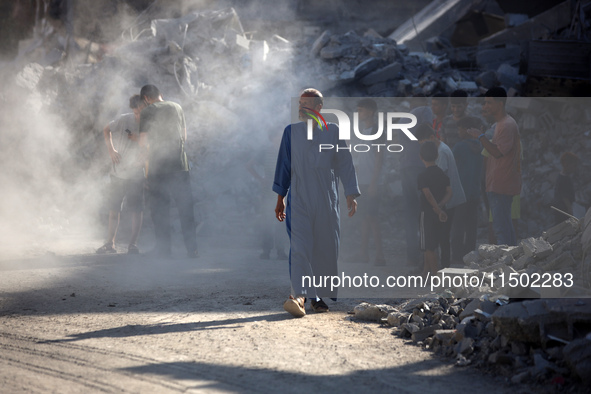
column 471, row 257
column 466, row 346
column 347, row 76
column 416, row 319
column 500, row 357
column 487, row 79
column 520, row 377
column 424, row 333
column 395, row 319
column 523, row 262
column 565, row 229
column 371, row 312
column 508, row 75
column 482, row 316
column 404, row 86
column 512, row 251
column 391, row 71
column 366, row 67
column 518, row 348
column 450, row 84
column 440, row 65
column 538, row 248
column 403, row 49
column 577, row 355
column 321, row 42
column 491, row 252
column 409, row 328
column 565, row 260
column 519, row 323
column 512, row 20
column 468, row 86
column 542, row 366
column 444, row 336
column 334, row 51
column 429, row 88
column 462, row 361
column 484, row 305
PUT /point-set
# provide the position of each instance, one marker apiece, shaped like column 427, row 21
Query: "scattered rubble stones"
column 532, row 339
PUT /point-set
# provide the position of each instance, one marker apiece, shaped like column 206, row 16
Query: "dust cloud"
column 53, row 157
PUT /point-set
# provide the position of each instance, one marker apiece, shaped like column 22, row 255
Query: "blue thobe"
column 310, row 180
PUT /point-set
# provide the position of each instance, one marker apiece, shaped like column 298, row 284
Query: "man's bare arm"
column 115, row 156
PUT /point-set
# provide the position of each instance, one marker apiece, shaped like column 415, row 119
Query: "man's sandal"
column 106, row 248
column 319, row 306
column 295, row 306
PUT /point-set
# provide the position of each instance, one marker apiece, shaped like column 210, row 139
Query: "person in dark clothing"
column 435, row 193
column 467, row 153
column 163, row 135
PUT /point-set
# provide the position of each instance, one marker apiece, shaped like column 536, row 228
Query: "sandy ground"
column 72, row 322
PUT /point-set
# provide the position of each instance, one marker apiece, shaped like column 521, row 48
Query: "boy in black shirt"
column 435, row 193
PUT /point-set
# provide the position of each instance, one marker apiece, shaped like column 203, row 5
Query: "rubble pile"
column 369, row 65
column 513, row 329
column 549, row 127
column 378, row 67
column 537, row 340
column 559, row 250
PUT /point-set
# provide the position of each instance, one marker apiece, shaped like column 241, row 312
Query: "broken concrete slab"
column 431, row 21
column 468, row 86
column 372, row 312
column 320, row 42
column 577, row 355
column 424, row 333
column 492, row 252
column 391, row 71
column 395, row 319
column 367, row 66
column 520, row 321
column 465, row 346
column 536, row 248
column 334, row 51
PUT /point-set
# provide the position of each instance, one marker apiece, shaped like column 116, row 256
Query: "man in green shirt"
column 163, row 133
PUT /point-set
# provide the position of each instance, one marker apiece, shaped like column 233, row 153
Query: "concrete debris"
column 525, row 339
column 432, row 20
column 371, row 312
column 536, row 248
column 577, row 355
column 517, row 334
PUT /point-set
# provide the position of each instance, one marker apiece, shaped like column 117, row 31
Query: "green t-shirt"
column 164, row 122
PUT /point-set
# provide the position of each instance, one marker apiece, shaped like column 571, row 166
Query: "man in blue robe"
column 309, row 177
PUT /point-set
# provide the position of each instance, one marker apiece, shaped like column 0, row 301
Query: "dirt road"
column 74, row 322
